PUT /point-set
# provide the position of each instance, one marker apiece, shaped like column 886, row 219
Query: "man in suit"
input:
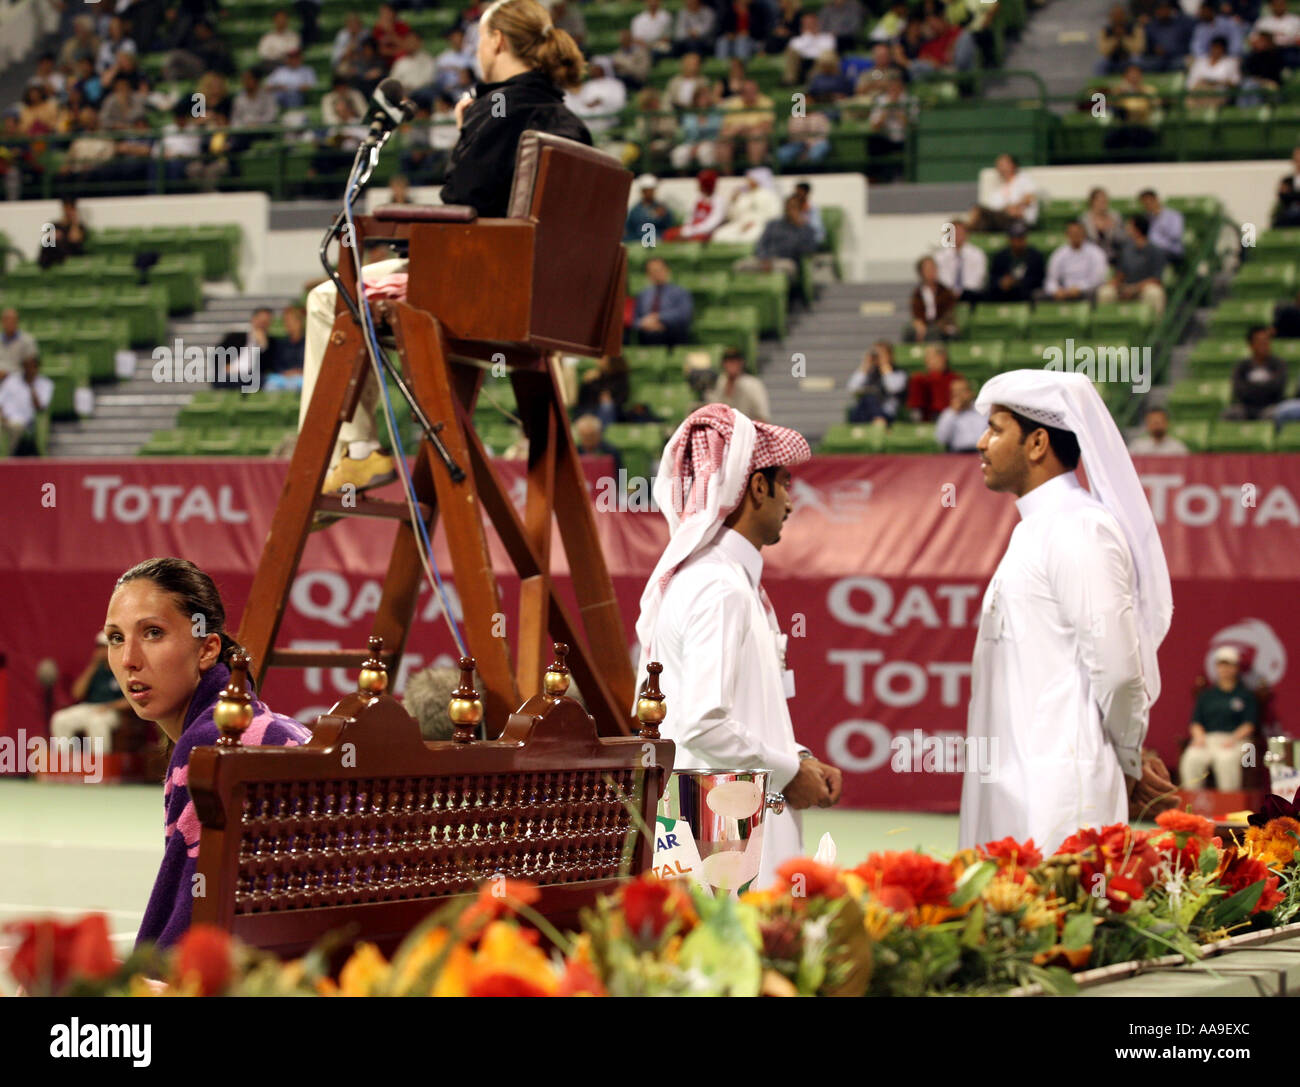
column 663, row 310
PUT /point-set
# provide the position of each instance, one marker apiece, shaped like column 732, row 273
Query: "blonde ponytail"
column 534, row 39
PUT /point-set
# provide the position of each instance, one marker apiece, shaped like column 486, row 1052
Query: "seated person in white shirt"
column 1015, row 200
column 291, row 80
column 1156, row 439
column 414, row 67
column 1215, row 71
column 805, row 47
column 963, row 268
column 1076, row 269
column 23, row 395
column 959, row 425
column 278, row 42
column 653, row 28
column 1284, row 26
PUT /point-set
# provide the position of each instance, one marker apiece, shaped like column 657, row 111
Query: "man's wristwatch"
column 804, row 753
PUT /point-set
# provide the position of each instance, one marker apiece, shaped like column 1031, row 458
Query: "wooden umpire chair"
column 366, row 829
column 482, row 293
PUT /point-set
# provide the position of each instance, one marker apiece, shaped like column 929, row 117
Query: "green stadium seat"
column 672, row 402
column 1123, row 323
column 766, row 292
column 1272, row 281
column 1234, row 317
column 691, row 354
column 853, row 438
column 1281, row 244
column 1192, row 399
column 169, row 443
column 1216, row 359
column 720, row 256
column 68, row 372
column 1241, row 437
column 1287, row 439
column 999, row 321
column 736, row 325
column 1193, row 433
column 1055, row 214
column 1059, row 320
column 911, row 438
column 217, row 443
column 707, row 288
column 210, row 409
column 645, row 361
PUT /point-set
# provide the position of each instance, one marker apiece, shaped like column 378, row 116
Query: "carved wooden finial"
column 234, row 709
column 556, row 681
column 374, row 673
column 465, row 708
column 651, row 707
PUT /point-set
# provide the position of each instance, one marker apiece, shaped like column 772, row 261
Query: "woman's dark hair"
column 195, row 594
column 1063, row 442
column 532, row 37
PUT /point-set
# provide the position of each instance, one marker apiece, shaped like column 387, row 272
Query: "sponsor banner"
column 877, row 579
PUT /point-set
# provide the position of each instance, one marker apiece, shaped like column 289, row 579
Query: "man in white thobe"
column 723, row 486
column 1064, row 672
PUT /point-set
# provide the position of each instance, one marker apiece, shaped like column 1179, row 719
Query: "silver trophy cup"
column 724, row 809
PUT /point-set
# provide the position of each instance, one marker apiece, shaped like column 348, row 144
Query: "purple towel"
column 168, row 914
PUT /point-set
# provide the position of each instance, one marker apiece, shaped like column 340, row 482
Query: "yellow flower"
column 364, row 971
column 857, row 886
column 1273, row 843
column 451, row 978
column 1006, row 895
column 505, row 953
column 1039, row 915
column 878, row 920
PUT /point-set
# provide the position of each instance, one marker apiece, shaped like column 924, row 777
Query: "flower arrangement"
column 900, row 923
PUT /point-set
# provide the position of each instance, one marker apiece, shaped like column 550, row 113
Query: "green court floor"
column 70, row 849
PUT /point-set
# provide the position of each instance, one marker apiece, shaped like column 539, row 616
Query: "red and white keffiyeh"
column 701, row 480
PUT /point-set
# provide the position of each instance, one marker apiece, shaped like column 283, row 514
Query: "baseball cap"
column 1017, row 230
column 1227, row 653
column 647, row 181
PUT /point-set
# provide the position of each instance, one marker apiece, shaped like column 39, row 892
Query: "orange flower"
column 1184, row 822
column 579, row 979
column 1071, row 959
column 203, row 959
column 1276, row 842
column 650, row 904
column 912, row 879
column 1239, row 871
column 498, row 897
column 365, row 969
column 803, row 877
column 1013, row 857
column 509, row 963
column 50, row 953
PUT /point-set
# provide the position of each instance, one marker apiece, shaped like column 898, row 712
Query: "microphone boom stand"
column 362, row 167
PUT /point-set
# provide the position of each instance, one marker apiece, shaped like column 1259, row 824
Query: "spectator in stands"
column 1168, row 38
column 879, row 386
column 945, row 48
column 1222, row 722
column 181, row 143
column 214, row 93
column 932, row 306
column 681, row 88
column 414, row 66
column 569, row 18
column 399, row 190
column 1166, row 224
column 88, row 152
column 1013, row 200
column 889, row 28
column 747, row 118
column 1263, row 68
column 929, row 392
column 308, row 16
column 429, row 145
column 737, row 389
column 1218, row 70
column 589, row 432
column 1119, row 42
column 82, row 44
column 116, row 41
column 648, row 211
column 959, row 426
column 782, row 245
column 97, row 701
column 87, row 82
column 751, row 208
column 787, row 21
column 24, row 394
column 1076, row 269
column 706, row 213
column 389, row 31
column 1212, row 25
column 347, row 45
column 255, row 106
column 653, row 28
column 342, row 104
column 743, row 29
column 655, row 129
column 200, row 51
column 695, row 30
column 1283, row 26
column 277, row 43
column 810, row 44
column 663, row 311
column 604, row 389
column 1156, row 440
column 1101, row 225
column 218, row 146
column 882, row 70
column 600, row 99
column 1134, row 99
column 16, row 346
column 48, row 77
column 283, row 367
column 1017, row 272
column 39, row 114
column 1138, row 271
column 827, row 82
column 698, row 132
column 452, row 61
column 963, row 268
column 1286, row 319
column 892, row 112
column 291, row 81
column 255, row 339
column 1258, row 382
column 70, row 236
column 843, row 19
column 807, row 138
column 733, row 82
column 632, row 61
column 369, row 69
column 803, row 190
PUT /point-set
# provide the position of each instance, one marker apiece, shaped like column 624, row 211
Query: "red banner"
column 878, row 579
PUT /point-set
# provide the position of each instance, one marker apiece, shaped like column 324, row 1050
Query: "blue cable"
column 373, row 341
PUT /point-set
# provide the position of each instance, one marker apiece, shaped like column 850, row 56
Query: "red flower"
column 579, row 980
column 505, row 984
column 50, row 953
column 1012, row 855
column 646, row 906
column 803, row 877
column 203, row 955
column 1239, row 872
column 912, row 878
column 1116, row 850
column 1184, row 822
column 1121, row 892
